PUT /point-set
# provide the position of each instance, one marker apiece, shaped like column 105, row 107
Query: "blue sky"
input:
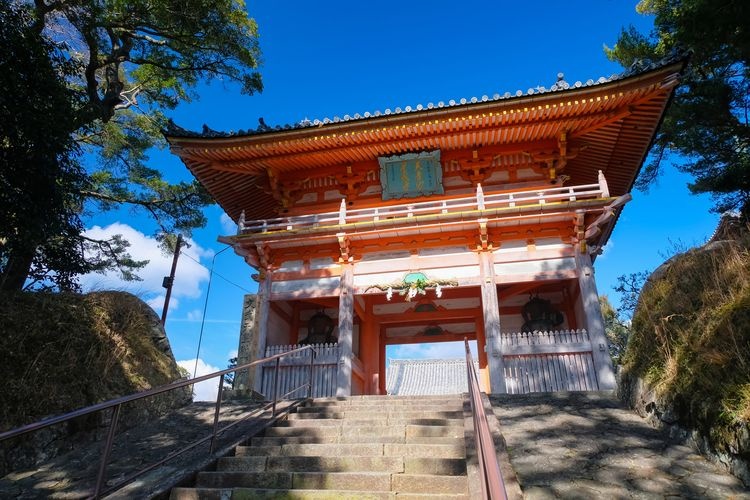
column 326, row 59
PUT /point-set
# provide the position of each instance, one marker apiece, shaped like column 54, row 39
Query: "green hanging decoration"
column 413, row 284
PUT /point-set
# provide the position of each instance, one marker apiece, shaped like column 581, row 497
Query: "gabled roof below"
column 427, row 377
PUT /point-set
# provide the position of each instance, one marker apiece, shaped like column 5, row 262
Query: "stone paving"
column 73, row 475
column 587, row 445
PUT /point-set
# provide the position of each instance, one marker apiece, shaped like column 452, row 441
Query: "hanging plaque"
column 411, row 175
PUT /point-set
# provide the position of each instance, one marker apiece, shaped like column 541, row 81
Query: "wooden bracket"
column 555, row 161
column 609, row 211
column 264, row 260
column 484, row 243
column 477, row 169
column 580, row 230
column 344, row 248
column 350, row 182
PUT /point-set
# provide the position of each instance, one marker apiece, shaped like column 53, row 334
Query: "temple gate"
column 479, row 219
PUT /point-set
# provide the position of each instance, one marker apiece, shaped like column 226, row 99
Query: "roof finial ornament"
column 262, row 124
column 560, row 84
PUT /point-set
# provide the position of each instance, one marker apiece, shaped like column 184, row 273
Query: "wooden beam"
column 411, row 317
column 429, row 339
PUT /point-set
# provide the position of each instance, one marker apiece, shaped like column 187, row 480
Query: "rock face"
column 687, row 363
column 67, row 351
column 730, row 448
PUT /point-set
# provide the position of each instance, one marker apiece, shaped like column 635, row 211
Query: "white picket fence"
column 294, row 371
column 548, row 362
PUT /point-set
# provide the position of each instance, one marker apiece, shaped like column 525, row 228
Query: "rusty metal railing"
column 116, row 404
column 493, row 486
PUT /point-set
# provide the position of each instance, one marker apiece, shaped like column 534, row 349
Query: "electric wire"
column 214, row 272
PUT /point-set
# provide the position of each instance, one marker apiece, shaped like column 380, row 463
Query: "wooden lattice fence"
column 548, row 362
column 294, row 371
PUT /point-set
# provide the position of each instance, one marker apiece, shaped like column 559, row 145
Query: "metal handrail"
column 493, row 486
column 116, row 404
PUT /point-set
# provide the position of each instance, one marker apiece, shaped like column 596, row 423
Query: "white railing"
column 548, row 361
column 544, row 338
column 479, row 201
column 296, row 367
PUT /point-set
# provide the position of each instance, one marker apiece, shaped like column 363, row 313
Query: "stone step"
column 375, row 421
column 348, row 481
column 334, row 438
column 323, row 464
column 316, row 413
column 394, row 430
column 452, row 450
column 384, row 403
column 435, row 466
column 364, row 404
column 428, row 484
column 360, row 481
column 392, row 399
column 368, row 405
column 248, row 493
column 313, row 449
column 409, row 465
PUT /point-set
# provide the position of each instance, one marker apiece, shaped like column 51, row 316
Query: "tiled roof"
column 636, row 68
column 426, row 377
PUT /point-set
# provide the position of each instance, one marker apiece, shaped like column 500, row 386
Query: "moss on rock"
column 690, row 344
column 62, row 352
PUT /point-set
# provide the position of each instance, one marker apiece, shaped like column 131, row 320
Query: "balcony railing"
column 403, row 211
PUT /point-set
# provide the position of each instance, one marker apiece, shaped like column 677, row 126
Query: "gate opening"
column 429, row 369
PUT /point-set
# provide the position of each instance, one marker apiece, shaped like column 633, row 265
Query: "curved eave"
column 615, row 121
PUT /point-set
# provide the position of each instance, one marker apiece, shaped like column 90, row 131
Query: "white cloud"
column 206, row 390
column 157, row 302
column 227, row 224
column 189, row 275
column 607, row 249
column 232, row 354
column 194, row 315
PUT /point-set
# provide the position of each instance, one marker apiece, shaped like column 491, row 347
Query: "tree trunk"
column 17, row 270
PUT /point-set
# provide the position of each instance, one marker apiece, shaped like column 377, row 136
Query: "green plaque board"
column 411, row 175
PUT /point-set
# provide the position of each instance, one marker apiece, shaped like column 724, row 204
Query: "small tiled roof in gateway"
column 426, row 377
column 615, row 118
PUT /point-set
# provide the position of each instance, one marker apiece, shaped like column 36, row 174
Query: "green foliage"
column 629, row 287
column 229, row 377
column 706, row 128
column 101, row 88
column 38, row 218
column 616, row 330
column 691, row 335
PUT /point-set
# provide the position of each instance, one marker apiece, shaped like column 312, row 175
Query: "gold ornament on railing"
column 412, row 285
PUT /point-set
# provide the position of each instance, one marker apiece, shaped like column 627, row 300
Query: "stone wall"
column 732, row 451
column 247, row 351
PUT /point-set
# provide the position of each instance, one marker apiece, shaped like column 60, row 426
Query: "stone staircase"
column 357, row 447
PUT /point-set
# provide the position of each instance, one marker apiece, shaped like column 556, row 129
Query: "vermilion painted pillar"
column 369, row 351
column 491, row 314
column 594, row 322
column 346, row 330
column 484, row 376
